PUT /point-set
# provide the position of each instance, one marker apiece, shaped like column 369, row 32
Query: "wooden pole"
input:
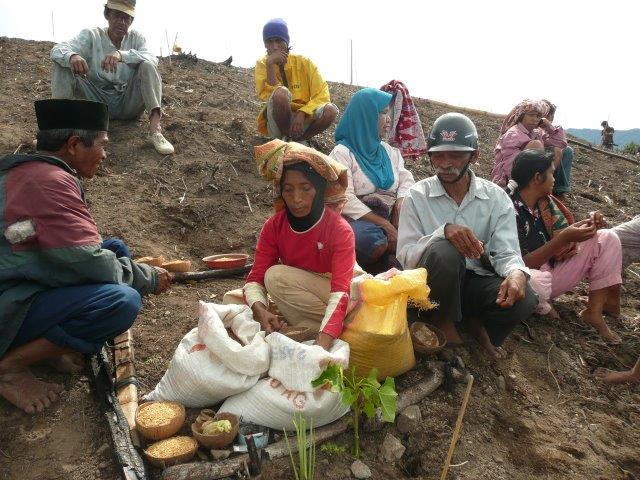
column 351, row 62
column 456, row 431
column 127, row 393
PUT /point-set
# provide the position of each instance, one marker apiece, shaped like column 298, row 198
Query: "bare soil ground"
column 553, row 420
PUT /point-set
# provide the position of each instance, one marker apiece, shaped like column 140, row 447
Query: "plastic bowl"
column 221, row 440
column 164, row 429
column 419, row 346
column 188, row 449
column 226, row 260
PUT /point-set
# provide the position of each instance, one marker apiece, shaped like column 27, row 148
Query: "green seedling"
column 305, row 468
column 363, row 394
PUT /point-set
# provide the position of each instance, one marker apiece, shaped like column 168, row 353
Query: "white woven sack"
column 208, row 365
column 271, row 404
column 296, row 365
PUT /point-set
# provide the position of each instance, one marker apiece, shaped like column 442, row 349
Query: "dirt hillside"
column 548, row 419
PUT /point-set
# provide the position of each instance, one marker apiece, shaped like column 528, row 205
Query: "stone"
column 220, row 454
column 409, row 419
column 392, row 449
column 502, row 384
column 103, row 465
column 360, row 469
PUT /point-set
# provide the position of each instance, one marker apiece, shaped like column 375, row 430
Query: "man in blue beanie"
column 298, row 104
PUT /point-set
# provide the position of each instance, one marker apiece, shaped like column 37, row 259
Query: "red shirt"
column 327, row 247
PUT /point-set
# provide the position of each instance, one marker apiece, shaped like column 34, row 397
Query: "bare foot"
column 482, row 337
column 449, row 330
column 68, row 363
column 597, row 322
column 613, row 378
column 25, row 391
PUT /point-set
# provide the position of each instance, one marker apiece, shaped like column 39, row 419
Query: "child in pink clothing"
column 569, row 252
column 525, row 127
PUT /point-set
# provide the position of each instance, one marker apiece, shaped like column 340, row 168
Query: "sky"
column 486, row 54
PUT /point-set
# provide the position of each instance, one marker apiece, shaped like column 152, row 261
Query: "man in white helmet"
column 462, row 229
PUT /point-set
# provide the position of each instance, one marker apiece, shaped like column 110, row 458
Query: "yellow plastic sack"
column 378, row 334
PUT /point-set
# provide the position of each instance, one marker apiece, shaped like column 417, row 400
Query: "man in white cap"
column 112, row 65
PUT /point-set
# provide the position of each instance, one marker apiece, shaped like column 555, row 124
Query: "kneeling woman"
column 305, row 254
column 569, row 252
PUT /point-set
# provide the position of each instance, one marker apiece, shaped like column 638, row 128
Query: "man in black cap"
column 114, row 66
column 63, row 291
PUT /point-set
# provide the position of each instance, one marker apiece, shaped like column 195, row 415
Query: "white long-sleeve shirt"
column 360, row 184
column 486, row 209
column 93, row 44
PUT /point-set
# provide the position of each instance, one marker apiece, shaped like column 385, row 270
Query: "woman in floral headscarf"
column 378, row 180
column 525, row 127
column 305, row 254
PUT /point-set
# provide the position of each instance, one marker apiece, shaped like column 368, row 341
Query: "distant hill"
column 620, row 137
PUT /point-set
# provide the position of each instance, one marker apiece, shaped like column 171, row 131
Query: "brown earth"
column 552, row 421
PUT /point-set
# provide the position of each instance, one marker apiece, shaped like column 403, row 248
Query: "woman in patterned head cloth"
column 305, row 255
column 378, row 180
column 525, row 127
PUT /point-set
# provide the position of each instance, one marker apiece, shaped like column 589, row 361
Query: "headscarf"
column 527, row 105
column 273, row 156
column 302, row 224
column 358, row 131
column 406, row 128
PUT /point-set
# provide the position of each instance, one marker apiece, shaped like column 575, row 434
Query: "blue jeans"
column 563, row 172
column 82, row 317
column 369, row 236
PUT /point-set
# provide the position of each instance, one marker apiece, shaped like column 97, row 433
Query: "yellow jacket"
column 308, row 89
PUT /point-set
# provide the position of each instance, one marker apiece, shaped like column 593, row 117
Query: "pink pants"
column 599, row 259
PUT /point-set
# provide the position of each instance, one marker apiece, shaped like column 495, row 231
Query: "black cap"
column 56, row 114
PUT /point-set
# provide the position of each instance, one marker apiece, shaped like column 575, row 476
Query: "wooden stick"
column 248, row 202
column 127, row 395
column 456, row 431
column 182, row 277
column 166, row 35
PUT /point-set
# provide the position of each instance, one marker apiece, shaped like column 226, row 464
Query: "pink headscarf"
column 526, row 105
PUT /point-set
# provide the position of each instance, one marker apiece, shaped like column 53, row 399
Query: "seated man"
column 462, row 229
column 62, row 289
column 297, row 96
column 112, row 65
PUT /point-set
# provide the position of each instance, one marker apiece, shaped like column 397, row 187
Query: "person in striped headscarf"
column 525, row 127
